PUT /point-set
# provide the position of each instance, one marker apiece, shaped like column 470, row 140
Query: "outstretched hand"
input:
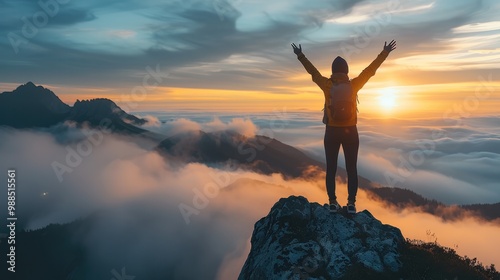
column 297, row 50
column 390, row 47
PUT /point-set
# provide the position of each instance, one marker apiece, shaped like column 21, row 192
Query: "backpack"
column 342, row 105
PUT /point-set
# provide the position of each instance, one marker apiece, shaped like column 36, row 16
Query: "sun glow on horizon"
column 387, row 98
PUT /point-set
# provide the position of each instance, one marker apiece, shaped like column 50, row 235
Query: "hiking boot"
column 334, row 207
column 351, row 208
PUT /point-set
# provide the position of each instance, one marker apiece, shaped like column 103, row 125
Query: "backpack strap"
column 357, row 99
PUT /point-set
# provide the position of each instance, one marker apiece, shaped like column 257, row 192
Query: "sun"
column 387, row 98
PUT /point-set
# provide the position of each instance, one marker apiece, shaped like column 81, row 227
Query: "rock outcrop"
column 302, row 240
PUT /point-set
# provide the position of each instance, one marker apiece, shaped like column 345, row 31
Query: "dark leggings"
column 349, row 139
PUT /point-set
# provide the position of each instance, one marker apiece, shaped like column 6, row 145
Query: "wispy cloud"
column 250, row 42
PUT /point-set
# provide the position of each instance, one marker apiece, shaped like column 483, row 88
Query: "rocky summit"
column 303, row 240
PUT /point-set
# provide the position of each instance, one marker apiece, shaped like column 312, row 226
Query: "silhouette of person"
column 342, row 132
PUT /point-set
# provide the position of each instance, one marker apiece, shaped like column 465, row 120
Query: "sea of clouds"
column 454, row 161
column 194, row 221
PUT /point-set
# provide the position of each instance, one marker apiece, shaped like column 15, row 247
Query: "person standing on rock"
column 340, row 118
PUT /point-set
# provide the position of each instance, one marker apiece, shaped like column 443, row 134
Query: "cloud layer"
column 451, row 163
column 451, row 160
column 142, row 195
column 243, row 126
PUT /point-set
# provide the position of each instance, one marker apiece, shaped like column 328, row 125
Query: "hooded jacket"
column 357, row 83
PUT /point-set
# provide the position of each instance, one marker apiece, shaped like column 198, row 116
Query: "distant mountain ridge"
column 403, row 198
column 31, row 106
column 260, row 153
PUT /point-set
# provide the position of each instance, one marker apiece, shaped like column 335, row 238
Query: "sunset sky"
column 429, row 116
column 236, row 56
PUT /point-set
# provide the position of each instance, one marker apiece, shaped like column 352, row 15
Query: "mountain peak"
column 29, row 85
column 31, row 88
column 298, row 238
column 97, row 101
column 103, row 105
column 31, row 106
column 95, row 110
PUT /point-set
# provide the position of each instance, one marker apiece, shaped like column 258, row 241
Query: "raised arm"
column 316, row 75
column 369, row 71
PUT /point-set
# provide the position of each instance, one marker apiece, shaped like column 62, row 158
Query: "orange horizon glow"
column 386, row 95
column 458, row 99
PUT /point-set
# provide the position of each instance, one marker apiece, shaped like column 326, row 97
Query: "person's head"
column 339, row 65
